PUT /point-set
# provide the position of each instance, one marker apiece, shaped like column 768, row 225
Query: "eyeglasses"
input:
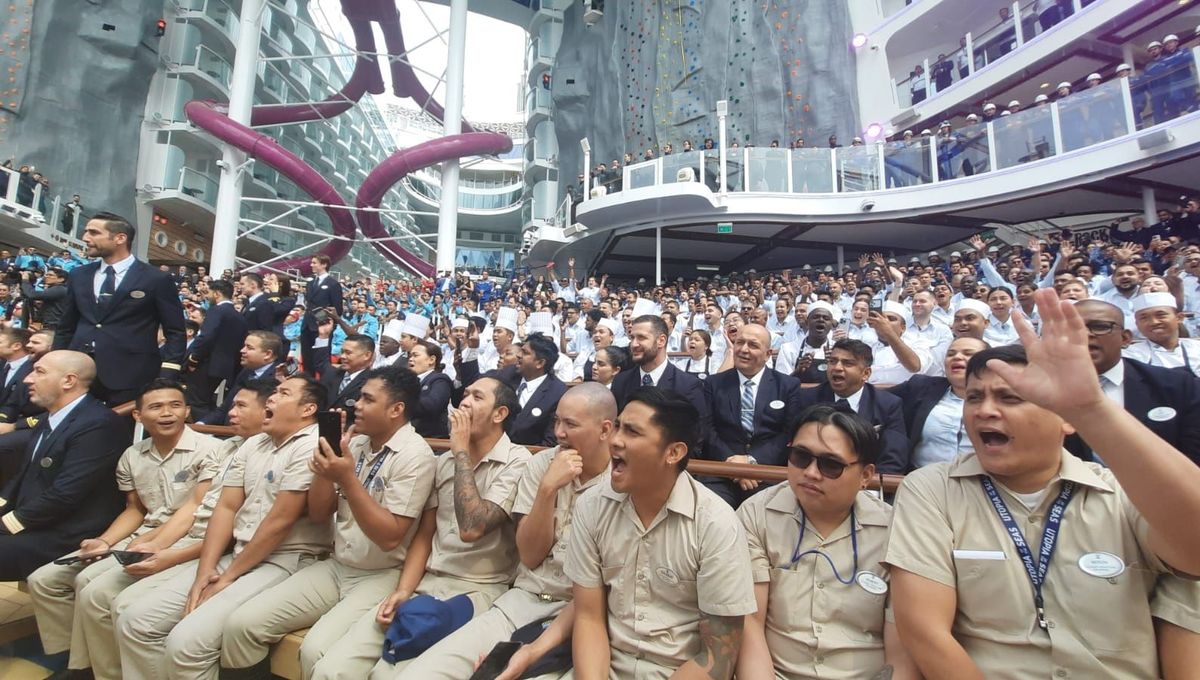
column 828, row 466
column 1099, row 328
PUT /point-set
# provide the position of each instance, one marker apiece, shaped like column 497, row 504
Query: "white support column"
column 452, row 125
column 841, row 260
column 1056, row 125
column 1149, row 206
column 1018, row 29
column 658, row 256
column 241, row 101
column 970, row 55
column 587, row 169
column 722, row 150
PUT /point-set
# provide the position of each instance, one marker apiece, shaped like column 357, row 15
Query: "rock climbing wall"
column 74, row 76
column 652, row 71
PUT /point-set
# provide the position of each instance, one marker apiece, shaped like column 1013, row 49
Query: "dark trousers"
column 201, row 392
column 22, row 554
column 729, row 490
column 14, row 454
column 307, row 338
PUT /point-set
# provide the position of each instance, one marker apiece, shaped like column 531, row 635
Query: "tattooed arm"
column 476, row 516
column 720, row 640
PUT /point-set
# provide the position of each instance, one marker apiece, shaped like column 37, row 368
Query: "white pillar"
column 841, row 260
column 452, row 125
column 1149, row 206
column 658, row 256
column 722, row 151
column 241, row 100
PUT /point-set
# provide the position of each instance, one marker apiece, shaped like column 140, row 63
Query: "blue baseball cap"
column 422, row 622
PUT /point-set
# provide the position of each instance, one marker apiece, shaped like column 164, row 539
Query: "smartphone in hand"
column 496, row 661
column 329, row 427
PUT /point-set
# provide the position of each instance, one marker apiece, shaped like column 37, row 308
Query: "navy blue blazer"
column 217, row 348
column 682, row 383
column 882, row 410
column 75, row 493
column 918, row 395
column 776, row 411
column 331, row 378
column 221, row 414
column 429, row 416
column 123, row 338
column 316, row 296
column 267, row 313
column 534, row 423
column 15, row 405
column 1166, row 400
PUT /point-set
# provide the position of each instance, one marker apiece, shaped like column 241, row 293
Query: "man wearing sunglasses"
column 1018, row 559
column 1165, row 400
column 816, row 547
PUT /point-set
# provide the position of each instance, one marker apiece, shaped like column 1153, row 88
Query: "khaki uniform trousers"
column 454, row 657
column 327, row 595
column 157, row 641
column 354, row 654
column 52, row 591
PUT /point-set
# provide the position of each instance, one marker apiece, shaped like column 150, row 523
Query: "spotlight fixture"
column 858, row 41
column 873, row 130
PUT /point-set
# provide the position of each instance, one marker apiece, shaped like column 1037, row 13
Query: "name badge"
column 270, row 475
column 822, row 367
column 1101, row 565
column 1161, row 414
column 979, row 555
column 46, row 462
column 777, row 404
column 182, row 476
column 702, row 376
column 137, row 294
column 537, row 412
column 667, row 576
column 871, row 583
column 325, row 287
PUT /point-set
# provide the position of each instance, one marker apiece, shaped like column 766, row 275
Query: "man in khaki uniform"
column 177, row 632
column 97, row 604
column 378, row 490
column 156, row 486
column 553, row 481
column 1176, row 609
column 464, row 542
column 1020, row 560
column 660, row 565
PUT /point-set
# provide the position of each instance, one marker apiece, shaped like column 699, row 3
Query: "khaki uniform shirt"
column 690, row 562
column 548, row 579
column 817, row 626
column 401, row 485
column 1177, row 600
column 945, row 529
column 263, row 470
column 493, row 558
column 217, row 472
column 164, row 484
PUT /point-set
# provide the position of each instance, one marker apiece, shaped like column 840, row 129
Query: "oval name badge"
column 667, row 575
column 1161, row 414
column 537, row 412
column 1101, row 565
column 46, row 462
column 702, row 376
column 777, row 404
column 871, row 583
column 822, row 367
column 137, row 294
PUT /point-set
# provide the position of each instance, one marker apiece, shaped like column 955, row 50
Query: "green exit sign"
column 724, row 227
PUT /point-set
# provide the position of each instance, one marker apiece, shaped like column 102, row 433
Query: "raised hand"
column 977, row 243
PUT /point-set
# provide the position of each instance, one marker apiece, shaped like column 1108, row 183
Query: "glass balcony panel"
column 673, row 165
column 1092, row 116
column 212, row 64
column 642, row 175
column 767, row 169
column 858, row 168
column 735, row 162
column 198, row 185
column 1024, row 137
column 906, row 164
column 1165, row 90
column 812, row 171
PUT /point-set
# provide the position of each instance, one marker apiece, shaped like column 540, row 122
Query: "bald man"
column 67, row 491
column 754, row 410
column 546, row 495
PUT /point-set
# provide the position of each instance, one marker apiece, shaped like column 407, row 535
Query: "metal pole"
column 722, row 150
column 452, row 125
column 658, row 256
column 1149, row 206
column 841, row 259
column 241, row 100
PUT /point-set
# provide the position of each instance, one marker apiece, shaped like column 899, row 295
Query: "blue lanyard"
column 374, row 468
column 1037, row 574
column 796, row 554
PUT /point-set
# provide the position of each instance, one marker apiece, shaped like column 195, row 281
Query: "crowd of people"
column 1042, row 401
column 27, row 179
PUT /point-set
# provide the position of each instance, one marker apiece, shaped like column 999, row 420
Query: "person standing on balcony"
column 1048, row 13
column 323, row 291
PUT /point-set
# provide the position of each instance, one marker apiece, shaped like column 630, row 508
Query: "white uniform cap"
column 642, row 306
column 506, row 317
column 835, row 312
column 908, row 133
column 976, row 306
column 1152, row 300
column 1006, row 112
column 541, row 322
column 1126, row 67
column 459, row 322
column 612, row 325
column 416, row 326
column 1013, row 103
column 934, row 253
column 1040, row 98
column 1094, row 76
column 1171, row 37
column 1153, row 44
column 926, row 132
column 989, row 107
column 973, row 117
column 393, row 329
column 955, row 253
column 1063, row 84
column 898, row 309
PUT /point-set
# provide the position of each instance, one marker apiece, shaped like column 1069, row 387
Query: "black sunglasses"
column 828, row 466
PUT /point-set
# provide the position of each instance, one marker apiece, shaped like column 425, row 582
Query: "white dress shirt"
column 757, row 378
column 12, row 368
column 531, row 386
column 55, row 419
column 1186, row 353
column 1113, row 383
column 655, row 375
column 999, row 333
column 942, row 436
column 119, row 268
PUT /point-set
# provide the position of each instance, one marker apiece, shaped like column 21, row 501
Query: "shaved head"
column 69, row 362
column 597, row 398
column 59, row 378
column 763, row 334
column 1103, row 309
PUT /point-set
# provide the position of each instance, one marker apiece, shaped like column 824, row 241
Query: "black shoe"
column 259, row 671
column 73, row 674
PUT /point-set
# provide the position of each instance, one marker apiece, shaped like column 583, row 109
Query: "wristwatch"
column 751, row 459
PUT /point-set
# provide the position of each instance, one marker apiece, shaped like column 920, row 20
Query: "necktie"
column 521, row 391
column 108, row 286
column 843, row 404
column 7, row 372
column 345, row 383
column 748, row 406
column 647, row 380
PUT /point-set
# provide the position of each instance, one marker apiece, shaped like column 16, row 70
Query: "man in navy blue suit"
column 259, row 355
column 849, row 364
column 1166, row 400
column 648, row 346
column 538, row 391
column 263, row 311
column 68, row 489
column 323, row 291
column 754, row 412
column 114, row 310
column 213, row 356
